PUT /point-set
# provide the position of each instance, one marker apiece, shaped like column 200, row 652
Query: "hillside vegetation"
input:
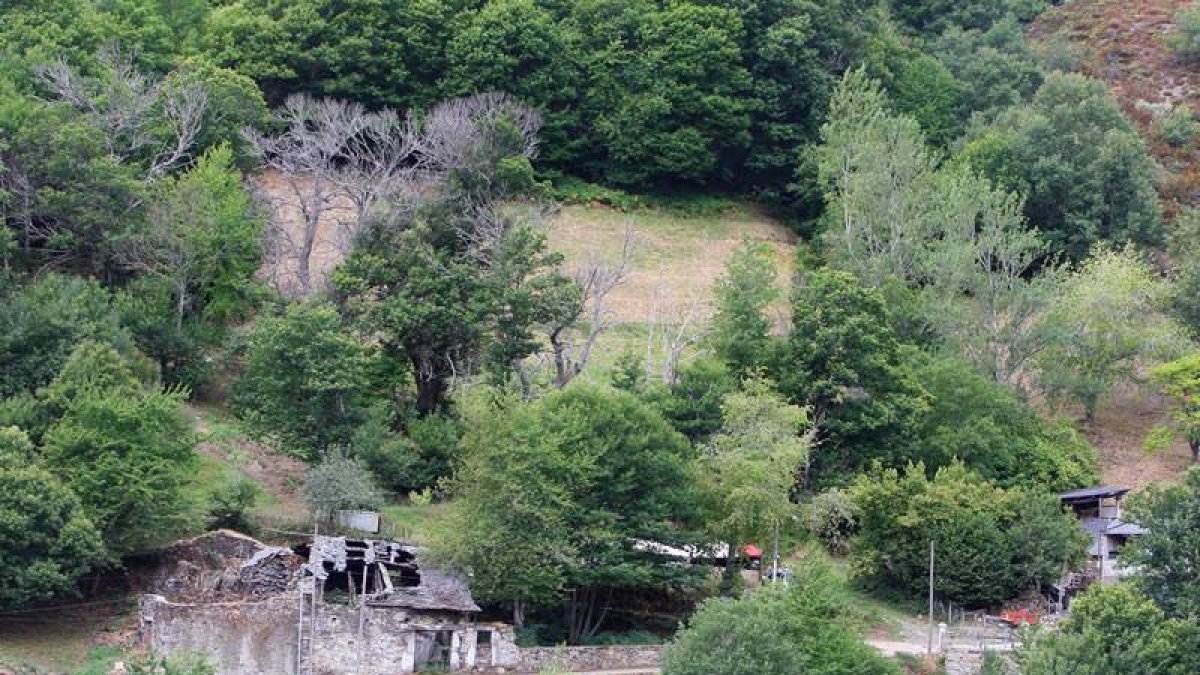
column 559, row 285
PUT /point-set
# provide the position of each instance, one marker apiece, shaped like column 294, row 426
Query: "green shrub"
column 410, row 461
column 802, row 628
column 832, row 517
column 339, row 482
column 1179, row 128
column 1185, row 39
column 230, row 503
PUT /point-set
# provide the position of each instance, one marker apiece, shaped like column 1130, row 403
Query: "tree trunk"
column 729, row 582
column 518, row 615
column 585, row 613
column 312, row 220
column 180, row 306
column 431, row 384
column 561, row 374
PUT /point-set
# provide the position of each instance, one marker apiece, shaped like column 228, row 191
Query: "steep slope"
column 1125, row 44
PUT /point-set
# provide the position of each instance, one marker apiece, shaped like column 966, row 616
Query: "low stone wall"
column 242, row 638
column 615, row 657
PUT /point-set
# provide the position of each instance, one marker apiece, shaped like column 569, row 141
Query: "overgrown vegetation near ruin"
column 560, row 286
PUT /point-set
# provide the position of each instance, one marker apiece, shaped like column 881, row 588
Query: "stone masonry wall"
column 242, row 638
column 258, row 637
column 616, row 657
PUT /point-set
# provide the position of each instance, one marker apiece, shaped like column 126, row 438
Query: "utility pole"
column 929, row 647
column 775, row 559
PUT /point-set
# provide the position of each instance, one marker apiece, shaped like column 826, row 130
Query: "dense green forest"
column 984, row 261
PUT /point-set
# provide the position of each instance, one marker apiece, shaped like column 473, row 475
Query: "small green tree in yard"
column 991, row 543
column 1113, row 629
column 303, row 380
column 337, row 482
column 1180, row 381
column 749, row 468
column 801, row 628
column 1168, row 554
column 46, row 538
column 741, row 326
column 1108, row 317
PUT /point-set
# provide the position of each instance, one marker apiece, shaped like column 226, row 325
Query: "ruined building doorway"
column 433, row 649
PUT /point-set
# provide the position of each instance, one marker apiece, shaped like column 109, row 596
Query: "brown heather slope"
column 1124, row 44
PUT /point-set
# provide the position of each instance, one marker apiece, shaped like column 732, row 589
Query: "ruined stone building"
column 331, row 606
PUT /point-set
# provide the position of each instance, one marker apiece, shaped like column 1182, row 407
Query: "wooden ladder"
column 306, row 625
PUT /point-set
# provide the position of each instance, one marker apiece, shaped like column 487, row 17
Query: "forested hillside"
column 546, row 280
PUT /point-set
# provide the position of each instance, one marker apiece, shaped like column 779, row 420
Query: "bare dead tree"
column 466, row 137
column 333, row 150
column 164, row 249
column 379, row 164
column 458, row 134
column 130, row 110
column 307, row 155
column 672, row 327
column 596, row 277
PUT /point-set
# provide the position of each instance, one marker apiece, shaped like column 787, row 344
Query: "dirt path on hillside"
column 278, row 474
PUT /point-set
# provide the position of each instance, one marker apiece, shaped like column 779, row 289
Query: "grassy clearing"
column 676, row 257
column 61, row 641
column 415, row 523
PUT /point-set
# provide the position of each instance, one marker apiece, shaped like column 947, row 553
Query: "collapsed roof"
column 397, row 575
column 226, row 565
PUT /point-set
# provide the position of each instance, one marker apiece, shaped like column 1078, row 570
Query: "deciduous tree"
column 127, row 455
column 1108, row 315
column 1166, row 555
column 751, row 465
column 304, row 380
